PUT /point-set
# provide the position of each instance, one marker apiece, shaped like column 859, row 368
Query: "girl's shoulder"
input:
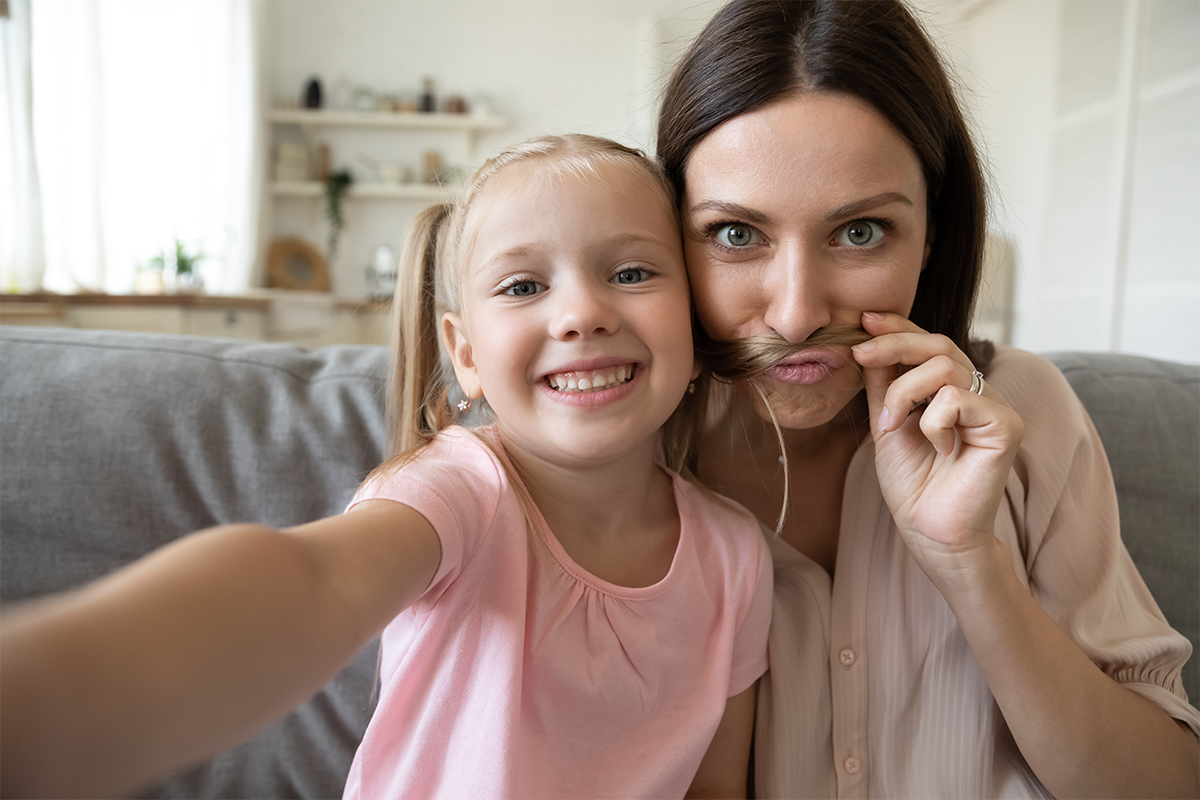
column 455, row 459
column 717, row 521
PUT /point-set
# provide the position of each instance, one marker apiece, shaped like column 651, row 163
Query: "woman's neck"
column 741, row 458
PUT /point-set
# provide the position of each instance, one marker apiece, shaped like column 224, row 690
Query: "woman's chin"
column 799, row 407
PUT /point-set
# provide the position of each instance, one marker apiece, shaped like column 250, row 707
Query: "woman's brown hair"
column 754, row 52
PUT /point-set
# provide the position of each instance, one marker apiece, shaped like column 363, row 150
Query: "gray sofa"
column 112, row 444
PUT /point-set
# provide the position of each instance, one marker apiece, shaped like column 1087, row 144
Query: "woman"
column 955, row 614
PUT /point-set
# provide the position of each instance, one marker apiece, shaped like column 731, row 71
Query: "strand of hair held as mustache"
column 746, row 359
column 749, row 358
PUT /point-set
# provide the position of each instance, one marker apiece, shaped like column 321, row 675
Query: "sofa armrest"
column 113, row 444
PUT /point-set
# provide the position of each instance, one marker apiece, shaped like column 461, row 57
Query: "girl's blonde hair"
column 423, row 393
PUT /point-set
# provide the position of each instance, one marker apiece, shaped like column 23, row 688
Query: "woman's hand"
column 942, row 453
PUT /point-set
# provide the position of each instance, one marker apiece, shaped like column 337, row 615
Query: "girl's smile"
column 576, row 321
column 597, row 382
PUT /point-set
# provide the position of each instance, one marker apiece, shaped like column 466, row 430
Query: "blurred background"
column 249, row 167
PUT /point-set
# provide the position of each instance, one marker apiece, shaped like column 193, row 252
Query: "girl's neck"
column 617, row 520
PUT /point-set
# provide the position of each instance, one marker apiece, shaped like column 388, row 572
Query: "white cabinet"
column 375, row 212
column 256, row 318
column 312, row 123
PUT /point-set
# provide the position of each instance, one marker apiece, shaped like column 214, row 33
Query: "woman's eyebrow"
column 858, row 206
column 730, row 209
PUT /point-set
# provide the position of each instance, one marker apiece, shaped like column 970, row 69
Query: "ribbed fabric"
column 873, row 691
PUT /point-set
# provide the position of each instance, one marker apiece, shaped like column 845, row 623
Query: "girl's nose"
column 582, row 309
column 797, row 295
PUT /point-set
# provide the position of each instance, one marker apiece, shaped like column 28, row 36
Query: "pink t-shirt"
column 518, row 674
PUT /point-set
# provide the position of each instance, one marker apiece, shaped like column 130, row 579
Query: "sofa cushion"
column 1147, row 413
column 113, row 444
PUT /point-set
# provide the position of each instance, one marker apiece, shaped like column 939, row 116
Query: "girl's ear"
column 454, row 335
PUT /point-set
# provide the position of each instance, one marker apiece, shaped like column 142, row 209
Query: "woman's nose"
column 582, row 309
column 797, row 295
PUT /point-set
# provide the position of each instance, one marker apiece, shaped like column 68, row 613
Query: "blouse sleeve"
column 750, row 643
column 1068, row 531
column 455, row 484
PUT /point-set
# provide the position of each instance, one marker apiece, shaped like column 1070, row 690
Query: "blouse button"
column 846, row 656
column 851, row 764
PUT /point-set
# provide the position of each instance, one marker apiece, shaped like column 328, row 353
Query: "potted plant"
column 187, row 279
column 336, row 185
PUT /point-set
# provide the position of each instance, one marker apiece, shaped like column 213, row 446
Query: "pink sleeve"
column 1078, row 567
column 750, row 644
column 455, row 485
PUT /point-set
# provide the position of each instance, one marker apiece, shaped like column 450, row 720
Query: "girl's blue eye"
column 522, row 289
column 861, row 233
column 632, row 275
column 737, row 234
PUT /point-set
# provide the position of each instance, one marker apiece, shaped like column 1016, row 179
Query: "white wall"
column 554, row 66
column 547, row 66
column 1089, row 115
column 1003, row 67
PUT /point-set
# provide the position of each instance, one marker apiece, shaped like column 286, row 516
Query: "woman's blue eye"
column 631, row 276
column 522, row 289
column 861, row 233
column 737, row 234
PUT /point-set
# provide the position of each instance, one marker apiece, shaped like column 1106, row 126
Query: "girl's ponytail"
column 418, row 386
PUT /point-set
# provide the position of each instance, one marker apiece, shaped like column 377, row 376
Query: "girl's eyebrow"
column 638, row 238
column 521, row 251
column 516, row 251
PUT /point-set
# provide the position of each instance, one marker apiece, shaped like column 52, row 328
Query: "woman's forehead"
column 826, row 148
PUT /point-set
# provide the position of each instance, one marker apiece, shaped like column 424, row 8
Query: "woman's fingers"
column 955, row 414
column 906, row 369
column 920, row 385
column 899, row 341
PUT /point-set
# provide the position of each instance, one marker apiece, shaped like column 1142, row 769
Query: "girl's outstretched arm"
column 196, row 646
column 724, row 772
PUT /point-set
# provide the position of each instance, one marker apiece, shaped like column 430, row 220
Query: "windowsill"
column 182, row 300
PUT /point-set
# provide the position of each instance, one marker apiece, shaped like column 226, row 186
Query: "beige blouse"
column 873, row 691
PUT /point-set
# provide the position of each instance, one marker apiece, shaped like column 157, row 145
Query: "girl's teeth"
column 597, row 380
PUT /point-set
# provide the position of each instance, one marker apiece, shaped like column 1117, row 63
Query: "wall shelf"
column 385, row 119
column 366, row 191
column 377, row 211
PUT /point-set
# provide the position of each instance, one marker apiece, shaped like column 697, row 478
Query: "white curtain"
column 22, row 260
column 146, row 130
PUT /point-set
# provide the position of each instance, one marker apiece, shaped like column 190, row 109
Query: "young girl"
column 561, row 615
